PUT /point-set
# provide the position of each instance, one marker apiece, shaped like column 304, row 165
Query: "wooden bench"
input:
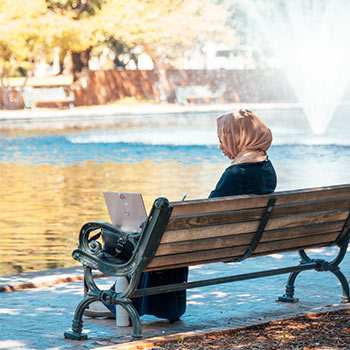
column 197, row 94
column 224, row 229
column 60, row 96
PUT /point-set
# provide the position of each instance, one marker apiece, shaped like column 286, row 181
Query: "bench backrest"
column 200, row 91
column 235, row 228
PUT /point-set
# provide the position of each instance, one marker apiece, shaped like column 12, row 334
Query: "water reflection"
column 44, row 205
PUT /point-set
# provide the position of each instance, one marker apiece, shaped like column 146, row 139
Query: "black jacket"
column 246, row 178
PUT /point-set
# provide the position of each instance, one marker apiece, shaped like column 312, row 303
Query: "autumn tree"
column 30, row 30
column 164, row 28
column 22, row 25
column 79, row 34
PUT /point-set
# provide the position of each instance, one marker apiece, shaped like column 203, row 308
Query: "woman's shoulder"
column 242, row 166
column 246, row 178
column 261, row 164
column 234, row 169
column 249, row 169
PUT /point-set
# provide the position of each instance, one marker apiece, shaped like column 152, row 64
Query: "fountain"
column 311, row 40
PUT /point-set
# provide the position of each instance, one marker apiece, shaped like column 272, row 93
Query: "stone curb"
column 110, row 110
column 104, row 115
column 43, row 278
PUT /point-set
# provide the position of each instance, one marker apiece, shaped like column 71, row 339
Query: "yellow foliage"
column 28, row 29
column 164, row 23
column 163, row 27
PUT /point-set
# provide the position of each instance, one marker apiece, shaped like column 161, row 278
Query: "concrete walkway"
column 35, row 318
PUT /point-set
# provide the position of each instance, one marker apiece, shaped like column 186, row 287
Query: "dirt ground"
column 325, row 331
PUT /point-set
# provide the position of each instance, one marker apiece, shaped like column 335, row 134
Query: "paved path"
column 36, row 318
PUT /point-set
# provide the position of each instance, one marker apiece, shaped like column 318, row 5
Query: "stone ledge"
column 43, row 278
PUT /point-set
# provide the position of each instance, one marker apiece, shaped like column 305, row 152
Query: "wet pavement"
column 37, row 316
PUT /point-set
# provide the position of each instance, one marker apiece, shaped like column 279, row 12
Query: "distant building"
column 219, row 56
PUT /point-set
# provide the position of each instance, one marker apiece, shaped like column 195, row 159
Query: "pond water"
column 52, row 180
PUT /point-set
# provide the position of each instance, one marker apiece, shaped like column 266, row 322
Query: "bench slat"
column 202, row 244
column 216, row 242
column 214, row 219
column 217, row 204
column 208, row 232
column 297, row 242
column 310, row 207
column 294, row 249
column 308, row 195
column 241, row 228
column 249, row 201
column 197, row 257
column 301, row 231
column 234, row 253
column 304, row 220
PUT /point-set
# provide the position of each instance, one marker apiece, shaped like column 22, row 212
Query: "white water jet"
column 311, row 38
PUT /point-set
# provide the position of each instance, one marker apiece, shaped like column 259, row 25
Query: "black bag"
column 117, row 245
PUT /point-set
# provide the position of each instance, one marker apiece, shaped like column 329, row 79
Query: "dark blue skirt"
column 169, row 306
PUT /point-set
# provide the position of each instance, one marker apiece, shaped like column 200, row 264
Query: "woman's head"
column 243, row 136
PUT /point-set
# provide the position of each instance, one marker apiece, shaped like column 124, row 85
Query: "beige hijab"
column 243, row 137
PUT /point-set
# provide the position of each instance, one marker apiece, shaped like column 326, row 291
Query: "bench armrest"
column 90, row 252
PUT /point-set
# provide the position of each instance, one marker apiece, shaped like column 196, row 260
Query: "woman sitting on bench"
column 244, row 139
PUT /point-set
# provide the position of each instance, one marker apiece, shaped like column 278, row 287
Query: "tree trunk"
column 80, row 62
column 5, row 103
column 164, row 89
column 19, row 93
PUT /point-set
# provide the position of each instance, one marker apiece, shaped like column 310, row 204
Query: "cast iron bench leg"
column 77, row 324
column 288, row 297
column 322, row 265
column 135, row 320
column 344, row 284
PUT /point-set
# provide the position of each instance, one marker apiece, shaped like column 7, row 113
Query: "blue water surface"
column 65, row 150
column 57, row 149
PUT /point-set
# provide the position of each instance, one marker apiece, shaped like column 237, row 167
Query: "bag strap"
column 93, row 238
column 123, row 238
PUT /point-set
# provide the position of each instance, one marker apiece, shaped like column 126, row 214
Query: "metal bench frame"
column 159, row 221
